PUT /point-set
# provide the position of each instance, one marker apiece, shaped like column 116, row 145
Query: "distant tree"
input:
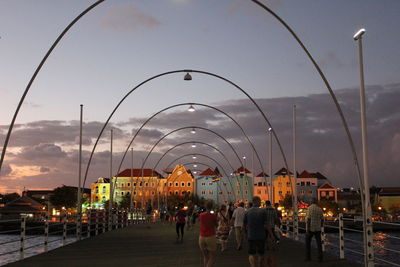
column 125, row 202
column 329, row 206
column 287, row 202
column 64, row 196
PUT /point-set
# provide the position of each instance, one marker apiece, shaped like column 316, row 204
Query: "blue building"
column 207, row 185
column 308, row 184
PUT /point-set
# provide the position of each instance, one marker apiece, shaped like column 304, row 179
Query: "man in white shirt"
column 238, row 218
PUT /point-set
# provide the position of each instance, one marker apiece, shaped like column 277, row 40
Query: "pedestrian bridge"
column 154, row 244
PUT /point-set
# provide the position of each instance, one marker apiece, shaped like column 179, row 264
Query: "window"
column 245, row 192
column 246, row 183
column 313, row 183
column 103, row 198
column 310, row 192
column 210, row 183
column 220, row 192
column 280, row 192
column 170, row 184
column 323, row 193
column 238, row 192
column 140, row 184
column 122, row 184
column 170, row 192
column 146, row 184
column 122, row 193
column 104, row 189
column 298, row 183
column 224, row 183
column 259, row 183
column 302, row 183
column 203, row 192
column 288, row 192
column 176, row 184
column 203, row 184
column 129, row 184
column 152, row 184
column 134, row 192
column 97, row 198
column 229, row 192
column 259, row 192
column 331, row 193
column 176, row 193
column 238, row 184
column 287, row 183
column 211, row 192
column 134, row 184
column 188, row 184
column 302, row 192
column 116, row 193
column 308, row 183
column 152, row 192
column 188, row 192
column 97, row 189
column 182, row 184
column 280, row 184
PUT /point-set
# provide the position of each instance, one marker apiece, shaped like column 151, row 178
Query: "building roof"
column 306, row 174
column 138, row 173
column 241, row 169
column 262, row 174
column 282, row 171
column 30, row 193
column 208, row 172
column 326, row 186
column 22, row 204
column 389, row 191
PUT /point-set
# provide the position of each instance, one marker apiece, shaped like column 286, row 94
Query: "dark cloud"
column 128, row 18
column 321, row 141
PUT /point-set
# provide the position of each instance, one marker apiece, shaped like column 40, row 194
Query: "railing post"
column 126, row 218
column 287, row 227
column 46, row 232
column 96, row 223
column 116, row 219
column 78, row 226
column 64, row 240
column 323, row 237
column 110, row 220
column 22, row 240
column 89, row 219
column 295, row 226
column 104, row 221
column 341, row 236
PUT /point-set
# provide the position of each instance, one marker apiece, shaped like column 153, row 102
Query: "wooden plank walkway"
column 155, row 245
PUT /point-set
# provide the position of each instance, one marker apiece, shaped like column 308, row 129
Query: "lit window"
column 331, row 193
column 104, row 189
column 323, row 193
column 97, row 189
column 203, row 184
column 146, row 184
column 170, row 184
column 122, row 193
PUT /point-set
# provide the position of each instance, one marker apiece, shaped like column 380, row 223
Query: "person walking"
column 270, row 228
column 223, row 227
column 254, row 223
column 314, row 219
column 180, row 218
column 207, row 239
column 237, row 219
column 278, row 224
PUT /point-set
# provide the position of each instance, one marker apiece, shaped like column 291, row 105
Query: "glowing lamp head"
column 193, row 131
column 358, row 34
column 193, row 145
column 191, row 108
column 195, row 166
column 194, row 157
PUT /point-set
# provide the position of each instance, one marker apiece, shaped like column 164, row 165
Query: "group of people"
column 255, row 223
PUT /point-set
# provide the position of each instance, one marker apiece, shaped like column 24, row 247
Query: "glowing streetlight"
column 193, row 131
column 194, row 157
column 193, row 145
column 195, row 166
column 191, row 108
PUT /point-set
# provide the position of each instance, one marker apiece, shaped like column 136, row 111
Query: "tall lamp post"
column 79, row 210
column 270, row 167
column 368, row 233
column 295, row 207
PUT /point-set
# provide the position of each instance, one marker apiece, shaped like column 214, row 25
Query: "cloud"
column 128, row 17
column 321, row 142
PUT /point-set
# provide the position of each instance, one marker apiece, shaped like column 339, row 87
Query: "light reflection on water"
column 54, row 242
column 382, row 242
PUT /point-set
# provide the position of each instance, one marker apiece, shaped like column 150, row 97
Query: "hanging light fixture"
column 193, row 145
column 193, row 131
column 194, row 157
column 187, row 77
column 191, row 108
column 195, row 166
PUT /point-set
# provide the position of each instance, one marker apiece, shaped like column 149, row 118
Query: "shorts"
column 208, row 243
column 256, row 247
column 238, row 232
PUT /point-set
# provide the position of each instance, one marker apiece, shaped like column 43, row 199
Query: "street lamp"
column 191, row 108
column 194, row 157
column 193, row 145
column 368, row 238
column 270, row 165
column 193, row 131
column 187, row 77
column 194, row 165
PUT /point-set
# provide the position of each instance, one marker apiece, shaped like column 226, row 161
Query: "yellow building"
column 100, row 192
column 389, row 198
column 145, row 186
column 179, row 182
column 282, row 186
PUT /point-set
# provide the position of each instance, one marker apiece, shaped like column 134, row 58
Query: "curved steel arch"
column 39, row 67
column 192, row 142
column 178, row 71
column 196, row 104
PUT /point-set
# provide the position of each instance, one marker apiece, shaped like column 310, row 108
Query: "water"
column 382, row 240
column 31, row 240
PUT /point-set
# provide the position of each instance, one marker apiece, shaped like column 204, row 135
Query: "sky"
column 120, row 44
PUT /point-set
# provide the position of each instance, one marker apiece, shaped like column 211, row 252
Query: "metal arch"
column 178, row 71
column 192, row 142
column 196, row 104
column 39, row 67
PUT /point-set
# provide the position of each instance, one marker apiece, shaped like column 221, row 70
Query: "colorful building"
column 207, row 185
column 389, row 198
column 262, row 186
column 242, row 183
column 327, row 192
column 179, row 182
column 100, row 192
column 282, row 185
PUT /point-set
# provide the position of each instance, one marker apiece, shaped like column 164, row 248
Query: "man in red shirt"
column 207, row 239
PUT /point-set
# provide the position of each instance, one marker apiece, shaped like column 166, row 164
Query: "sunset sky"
column 121, row 43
